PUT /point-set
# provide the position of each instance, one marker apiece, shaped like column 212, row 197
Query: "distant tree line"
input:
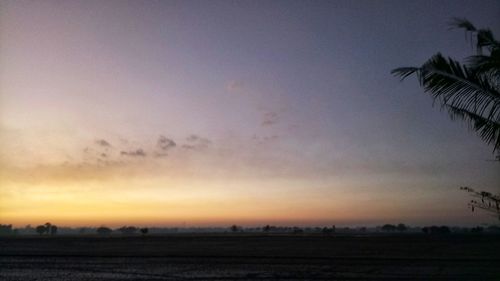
column 401, row 227
column 51, row 230
column 124, row 230
column 6, row 229
column 436, row 229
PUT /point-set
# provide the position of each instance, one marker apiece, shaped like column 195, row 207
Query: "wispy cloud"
column 103, row 142
column 165, row 143
column 196, row 142
column 134, row 153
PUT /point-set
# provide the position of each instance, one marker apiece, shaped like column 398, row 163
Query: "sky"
column 212, row 113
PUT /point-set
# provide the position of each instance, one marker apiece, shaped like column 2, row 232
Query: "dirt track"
column 251, row 257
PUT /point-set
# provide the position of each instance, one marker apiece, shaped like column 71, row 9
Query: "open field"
column 251, row 257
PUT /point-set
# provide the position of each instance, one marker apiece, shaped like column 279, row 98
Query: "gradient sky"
column 219, row 112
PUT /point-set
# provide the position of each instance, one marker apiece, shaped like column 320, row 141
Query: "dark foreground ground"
column 251, row 257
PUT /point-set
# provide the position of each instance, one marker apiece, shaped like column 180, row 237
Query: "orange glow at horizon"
column 165, row 201
column 203, row 189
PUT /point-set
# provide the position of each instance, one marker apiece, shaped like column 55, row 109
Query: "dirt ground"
column 251, row 257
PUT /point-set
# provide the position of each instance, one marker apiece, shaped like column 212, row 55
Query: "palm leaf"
column 489, row 130
column 484, row 37
column 455, row 85
column 404, row 72
column 470, row 92
column 462, row 23
column 488, row 66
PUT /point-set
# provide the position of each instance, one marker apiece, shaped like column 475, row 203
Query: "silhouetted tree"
column 46, row 228
column 444, row 230
column 477, row 229
column 104, row 230
column 436, row 229
column 127, row 230
column 234, row 228
column 266, row 228
column 401, row 227
column 48, row 225
column 389, row 227
column 327, row 231
column 144, row 230
column 40, row 229
column 470, row 91
column 53, row 230
column 6, row 229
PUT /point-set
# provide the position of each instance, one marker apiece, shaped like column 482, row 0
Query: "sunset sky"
column 212, row 113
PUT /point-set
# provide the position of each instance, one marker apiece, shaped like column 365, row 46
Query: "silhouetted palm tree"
column 469, row 91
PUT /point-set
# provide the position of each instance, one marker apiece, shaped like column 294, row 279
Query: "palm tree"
column 469, row 91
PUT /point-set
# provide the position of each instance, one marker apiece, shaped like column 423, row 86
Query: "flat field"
column 251, row 257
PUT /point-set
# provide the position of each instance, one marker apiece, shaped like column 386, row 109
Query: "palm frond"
column 487, row 65
column 489, row 130
column 462, row 23
column 470, row 92
column 455, row 85
column 404, row 72
column 484, row 37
